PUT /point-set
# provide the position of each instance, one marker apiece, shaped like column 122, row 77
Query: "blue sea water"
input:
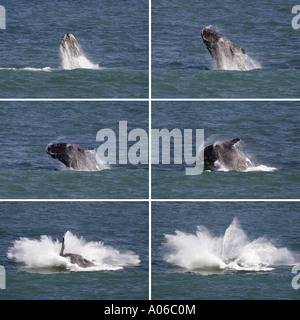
column 111, row 33
column 121, row 227
column 182, row 66
column 27, row 171
column 270, row 138
column 186, row 266
column 114, row 34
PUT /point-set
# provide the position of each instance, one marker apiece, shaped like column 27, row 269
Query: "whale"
column 226, row 155
column 72, row 54
column 226, row 55
column 75, row 258
column 71, row 46
column 73, row 156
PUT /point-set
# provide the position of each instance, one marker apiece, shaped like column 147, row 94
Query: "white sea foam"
column 47, row 69
column 231, row 251
column 43, row 254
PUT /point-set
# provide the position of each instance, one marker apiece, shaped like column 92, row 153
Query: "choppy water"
column 111, row 35
column 224, row 250
column 182, row 66
column 270, row 138
column 27, row 171
column 31, row 235
column 200, row 250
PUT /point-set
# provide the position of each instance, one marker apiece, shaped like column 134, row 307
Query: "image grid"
column 164, row 214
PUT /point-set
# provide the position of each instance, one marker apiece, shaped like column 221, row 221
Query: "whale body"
column 73, row 156
column 227, row 155
column 226, row 55
column 75, row 258
column 72, row 54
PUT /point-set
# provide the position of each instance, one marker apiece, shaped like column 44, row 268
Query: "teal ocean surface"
column 270, row 138
column 183, row 68
column 221, row 234
column 27, row 171
column 112, row 235
column 224, row 250
column 111, row 34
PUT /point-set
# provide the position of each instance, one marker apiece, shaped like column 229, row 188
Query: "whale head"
column 63, row 152
column 72, row 155
column 222, row 50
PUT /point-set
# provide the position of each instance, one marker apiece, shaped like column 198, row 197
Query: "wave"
column 47, row 69
column 232, row 251
column 42, row 255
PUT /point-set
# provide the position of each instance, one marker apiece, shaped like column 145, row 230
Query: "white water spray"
column 72, row 55
column 241, row 61
column 43, row 254
column 232, row 251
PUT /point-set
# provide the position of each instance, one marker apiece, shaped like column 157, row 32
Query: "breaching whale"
column 227, row 155
column 226, row 54
column 75, row 258
column 73, row 156
column 72, row 54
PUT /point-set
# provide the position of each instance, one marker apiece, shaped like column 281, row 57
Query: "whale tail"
column 62, row 247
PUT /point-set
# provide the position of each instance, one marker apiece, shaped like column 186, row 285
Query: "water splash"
column 241, row 61
column 232, row 251
column 69, row 61
column 42, row 255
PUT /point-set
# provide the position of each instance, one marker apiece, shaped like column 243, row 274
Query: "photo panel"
column 225, row 250
column 225, row 149
column 74, row 250
column 225, row 50
column 74, row 150
column 82, row 49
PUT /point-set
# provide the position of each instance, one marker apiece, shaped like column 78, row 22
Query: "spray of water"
column 241, row 61
column 43, row 254
column 69, row 61
column 231, row 251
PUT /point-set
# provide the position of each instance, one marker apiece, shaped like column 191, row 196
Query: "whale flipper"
column 75, row 258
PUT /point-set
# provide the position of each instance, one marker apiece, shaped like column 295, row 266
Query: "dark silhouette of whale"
column 75, row 258
column 225, row 54
column 227, row 155
column 73, row 156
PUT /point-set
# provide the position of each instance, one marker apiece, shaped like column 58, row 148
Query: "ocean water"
column 27, row 171
column 270, row 138
column 113, row 235
column 111, row 33
column 224, row 250
column 183, row 68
